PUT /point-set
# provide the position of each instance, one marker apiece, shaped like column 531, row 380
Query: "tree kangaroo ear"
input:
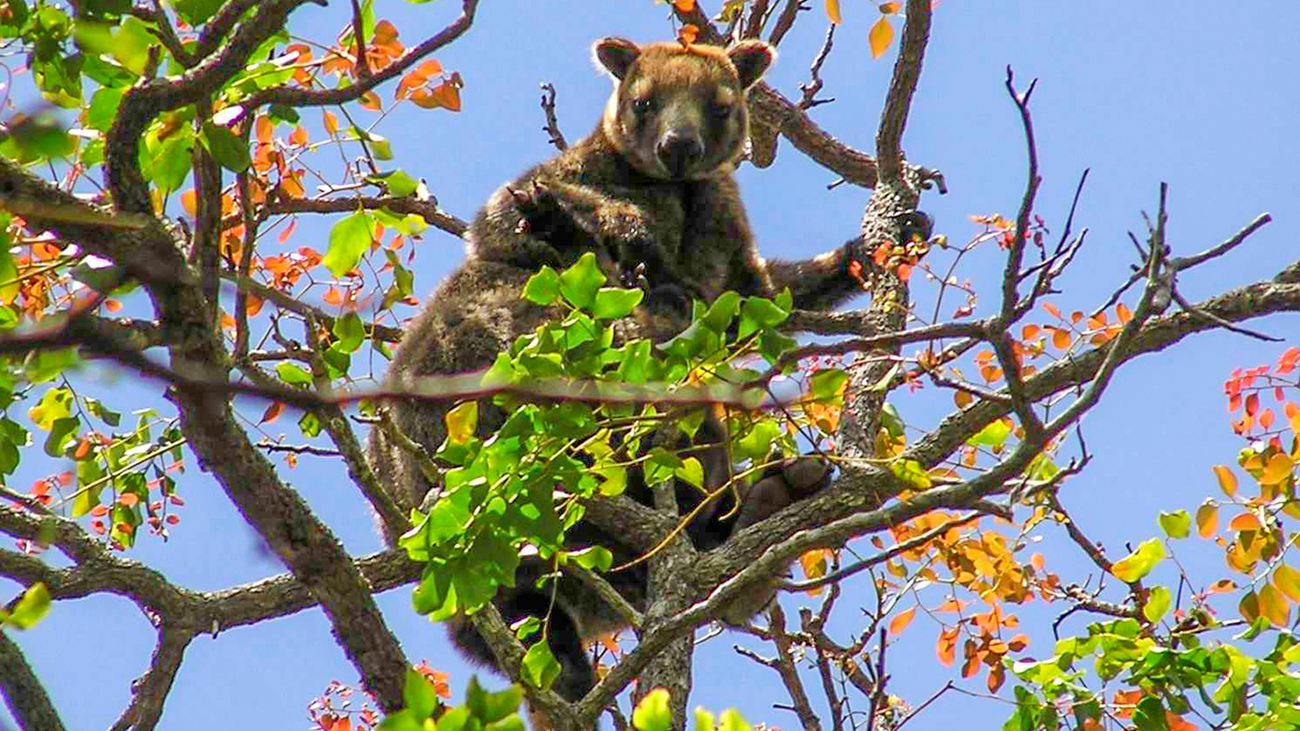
column 751, row 59
column 615, row 55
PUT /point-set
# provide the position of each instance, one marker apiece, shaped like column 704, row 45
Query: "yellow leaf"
column 1273, row 606
column 880, row 36
column 899, row 623
column 1278, row 469
column 461, row 422
column 815, row 564
column 1227, row 480
column 833, row 11
column 1287, row 580
column 1207, row 519
column 331, row 122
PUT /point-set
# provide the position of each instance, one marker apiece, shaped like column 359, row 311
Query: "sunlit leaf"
column 349, row 239
column 1227, row 480
column 1134, row 566
column 833, row 11
column 880, row 36
column 1207, row 519
column 900, row 622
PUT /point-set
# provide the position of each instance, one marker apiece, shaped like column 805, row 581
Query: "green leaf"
column 103, row 108
column 196, row 12
column 722, row 311
column 543, row 288
column 1150, row 715
column 399, row 184
column 1158, row 602
column 227, row 148
column 1177, row 524
column 501, row 705
column 759, row 313
column 826, row 384
column 579, row 283
column 1134, row 566
column 62, row 433
column 540, row 668
column 291, row 374
column 419, row 695
column 31, row 608
column 9, row 284
column 171, row 163
column 612, row 303
column 595, row 558
column 993, row 436
column 309, row 424
column 732, row 720
column 652, row 713
column 692, row 472
column 349, row 239
column 350, row 332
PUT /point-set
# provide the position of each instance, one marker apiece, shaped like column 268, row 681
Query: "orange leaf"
column 288, row 230
column 1122, row 313
column 272, row 412
column 1221, row 586
column 263, row 127
column 1207, row 519
column 1227, row 480
column 962, row 399
column 833, row 11
column 128, row 499
column 1277, row 470
column 997, row 676
column 1051, row 310
column 687, row 34
column 684, row 6
column 331, row 122
column 880, row 36
column 890, row 8
column 946, row 647
column 900, row 622
column 190, row 202
column 1245, row 521
column 298, row 137
column 1029, row 332
column 1061, row 339
column 370, row 100
column 112, row 305
column 385, row 33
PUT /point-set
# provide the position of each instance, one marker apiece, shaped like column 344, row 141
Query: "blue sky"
column 1200, row 95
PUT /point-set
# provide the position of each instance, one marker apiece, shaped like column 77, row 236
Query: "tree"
column 202, row 128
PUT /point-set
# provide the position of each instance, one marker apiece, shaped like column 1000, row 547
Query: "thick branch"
column 23, row 692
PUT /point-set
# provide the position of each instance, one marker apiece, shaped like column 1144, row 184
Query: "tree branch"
column 23, row 692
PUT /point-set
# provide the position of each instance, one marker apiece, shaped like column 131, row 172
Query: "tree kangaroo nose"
column 679, row 152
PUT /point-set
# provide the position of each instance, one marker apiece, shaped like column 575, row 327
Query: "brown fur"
column 651, row 186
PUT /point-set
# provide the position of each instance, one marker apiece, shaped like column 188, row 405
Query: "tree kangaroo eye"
column 720, row 110
column 644, row 105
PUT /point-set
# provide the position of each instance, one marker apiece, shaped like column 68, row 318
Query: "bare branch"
column 150, row 690
column 427, row 209
column 898, row 101
column 552, row 128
